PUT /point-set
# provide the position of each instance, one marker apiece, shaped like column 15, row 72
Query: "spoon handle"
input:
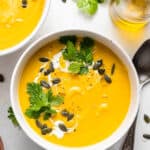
column 129, row 141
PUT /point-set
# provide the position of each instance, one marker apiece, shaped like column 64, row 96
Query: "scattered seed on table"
column 146, row 136
column 146, row 118
column 2, row 78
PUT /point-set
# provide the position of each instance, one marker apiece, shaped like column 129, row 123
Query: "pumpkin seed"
column 146, row 118
column 64, row 113
column 51, row 67
column 2, row 78
column 98, row 64
column 47, row 72
column 107, row 78
column 24, row 3
column 101, row 71
column 113, row 69
column 63, row 127
column 45, row 131
column 56, row 81
column 44, row 126
column 70, row 117
column 39, row 124
column 41, row 70
column 44, row 84
column 146, row 136
column 43, row 59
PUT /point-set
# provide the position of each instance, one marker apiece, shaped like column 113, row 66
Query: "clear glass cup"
column 130, row 13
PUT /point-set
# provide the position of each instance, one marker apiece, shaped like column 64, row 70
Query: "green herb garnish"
column 12, row 117
column 79, row 58
column 88, row 6
column 65, row 39
column 41, row 102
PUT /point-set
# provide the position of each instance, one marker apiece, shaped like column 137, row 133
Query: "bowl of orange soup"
column 75, row 90
column 19, row 22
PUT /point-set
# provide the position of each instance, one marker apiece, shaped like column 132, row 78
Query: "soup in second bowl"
column 74, row 92
column 18, row 18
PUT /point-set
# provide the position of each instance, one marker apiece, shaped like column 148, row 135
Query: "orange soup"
column 18, row 18
column 74, row 92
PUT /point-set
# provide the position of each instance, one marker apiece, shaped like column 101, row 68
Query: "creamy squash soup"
column 18, row 18
column 74, row 92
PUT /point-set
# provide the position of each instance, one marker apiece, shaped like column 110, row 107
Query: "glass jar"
column 130, row 13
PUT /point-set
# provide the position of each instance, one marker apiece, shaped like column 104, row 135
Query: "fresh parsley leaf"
column 75, row 67
column 12, row 117
column 84, row 70
column 88, row 6
column 70, row 53
column 65, row 39
column 86, row 43
column 41, row 102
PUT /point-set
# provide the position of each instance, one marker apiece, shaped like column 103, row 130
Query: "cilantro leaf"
column 12, row 117
column 87, row 43
column 70, row 53
column 84, row 70
column 65, row 39
column 75, row 67
column 41, row 102
column 88, row 6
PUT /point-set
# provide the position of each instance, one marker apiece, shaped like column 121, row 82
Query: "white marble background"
column 67, row 16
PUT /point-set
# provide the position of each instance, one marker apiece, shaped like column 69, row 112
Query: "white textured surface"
column 67, row 16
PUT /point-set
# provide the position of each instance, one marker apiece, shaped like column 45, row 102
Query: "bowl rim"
column 29, row 37
column 109, row 141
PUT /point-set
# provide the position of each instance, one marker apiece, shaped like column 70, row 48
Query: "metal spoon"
column 141, row 62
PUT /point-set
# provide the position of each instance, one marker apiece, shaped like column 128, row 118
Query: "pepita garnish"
column 43, row 59
column 47, row 72
column 70, row 117
column 24, row 3
column 107, row 78
column 44, row 84
column 101, row 71
column 62, row 127
column 113, row 69
column 56, row 81
column 98, row 64
column 39, row 124
column 41, row 70
column 45, row 131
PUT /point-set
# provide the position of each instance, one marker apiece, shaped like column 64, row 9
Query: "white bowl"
column 23, row 43
column 133, row 108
